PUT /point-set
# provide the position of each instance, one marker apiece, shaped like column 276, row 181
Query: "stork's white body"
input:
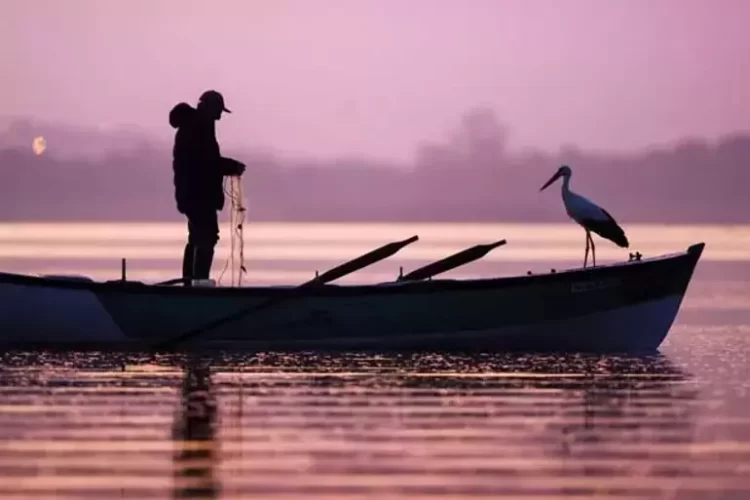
column 580, row 208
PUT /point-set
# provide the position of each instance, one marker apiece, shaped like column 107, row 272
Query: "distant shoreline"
column 470, row 178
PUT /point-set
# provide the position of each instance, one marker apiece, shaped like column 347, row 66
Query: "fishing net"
column 236, row 258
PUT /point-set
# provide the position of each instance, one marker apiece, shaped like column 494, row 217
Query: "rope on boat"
column 237, row 240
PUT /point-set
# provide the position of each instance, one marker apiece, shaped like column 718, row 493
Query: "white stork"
column 589, row 215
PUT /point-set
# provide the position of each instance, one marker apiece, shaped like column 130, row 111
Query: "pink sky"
column 376, row 77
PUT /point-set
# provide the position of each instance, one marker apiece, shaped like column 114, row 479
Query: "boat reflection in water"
column 388, row 425
column 597, row 405
column 631, row 409
column 194, row 433
column 319, row 425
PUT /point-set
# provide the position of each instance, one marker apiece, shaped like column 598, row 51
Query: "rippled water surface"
column 274, row 425
column 135, row 426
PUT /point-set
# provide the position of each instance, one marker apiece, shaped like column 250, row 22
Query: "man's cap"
column 215, row 98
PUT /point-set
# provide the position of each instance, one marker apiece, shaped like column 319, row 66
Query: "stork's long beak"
column 552, row 179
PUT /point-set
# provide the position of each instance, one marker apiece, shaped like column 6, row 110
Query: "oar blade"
column 362, row 261
column 451, row 262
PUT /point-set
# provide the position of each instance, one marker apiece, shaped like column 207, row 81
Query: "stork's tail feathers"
column 620, row 239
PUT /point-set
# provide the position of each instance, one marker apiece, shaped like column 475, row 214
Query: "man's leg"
column 203, row 227
column 187, row 262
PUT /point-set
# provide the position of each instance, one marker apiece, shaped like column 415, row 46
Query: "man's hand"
column 230, row 166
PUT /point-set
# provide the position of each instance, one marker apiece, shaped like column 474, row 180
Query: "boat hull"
column 622, row 307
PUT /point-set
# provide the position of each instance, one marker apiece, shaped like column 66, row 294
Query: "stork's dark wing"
column 608, row 229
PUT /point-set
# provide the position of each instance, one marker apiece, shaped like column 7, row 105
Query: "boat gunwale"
column 692, row 253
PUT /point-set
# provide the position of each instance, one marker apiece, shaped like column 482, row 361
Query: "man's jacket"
column 196, row 161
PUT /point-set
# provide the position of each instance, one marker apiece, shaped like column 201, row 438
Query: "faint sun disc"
column 39, row 145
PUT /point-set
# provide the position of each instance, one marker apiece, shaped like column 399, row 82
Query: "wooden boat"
column 627, row 307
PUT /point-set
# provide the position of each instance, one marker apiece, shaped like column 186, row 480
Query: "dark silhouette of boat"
column 626, row 306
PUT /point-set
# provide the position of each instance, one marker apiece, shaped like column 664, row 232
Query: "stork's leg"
column 593, row 249
column 586, row 256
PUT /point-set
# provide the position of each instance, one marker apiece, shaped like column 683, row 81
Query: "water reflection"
column 571, row 417
column 194, row 433
column 333, row 426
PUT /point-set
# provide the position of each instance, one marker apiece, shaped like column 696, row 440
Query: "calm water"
column 108, row 425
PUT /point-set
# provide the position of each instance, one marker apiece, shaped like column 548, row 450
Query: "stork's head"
column 563, row 171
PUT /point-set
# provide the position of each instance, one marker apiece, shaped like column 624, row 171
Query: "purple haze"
column 376, row 77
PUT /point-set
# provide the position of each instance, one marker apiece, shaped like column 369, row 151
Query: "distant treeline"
column 470, row 177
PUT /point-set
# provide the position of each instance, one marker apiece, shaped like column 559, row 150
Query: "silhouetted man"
column 199, row 171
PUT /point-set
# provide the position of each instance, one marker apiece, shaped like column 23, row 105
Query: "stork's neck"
column 565, row 185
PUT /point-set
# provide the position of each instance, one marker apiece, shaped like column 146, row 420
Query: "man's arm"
column 212, row 153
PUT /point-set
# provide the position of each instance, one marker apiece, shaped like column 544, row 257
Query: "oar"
column 173, row 281
column 332, row 274
column 451, row 262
